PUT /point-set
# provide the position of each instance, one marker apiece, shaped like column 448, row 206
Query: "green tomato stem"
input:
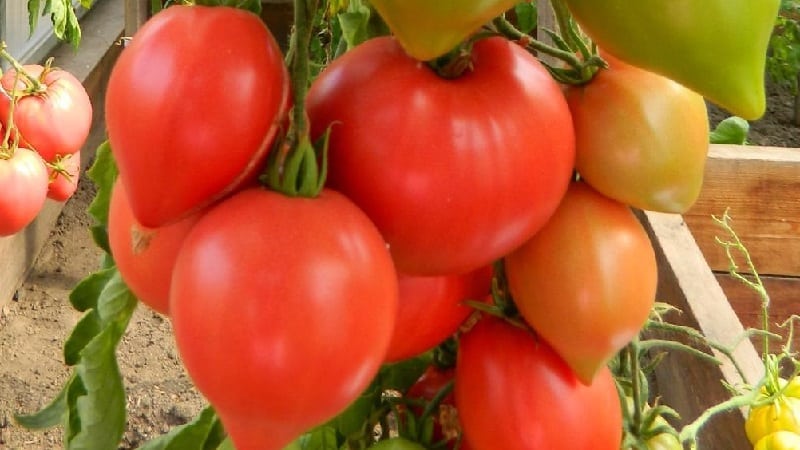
column 35, row 84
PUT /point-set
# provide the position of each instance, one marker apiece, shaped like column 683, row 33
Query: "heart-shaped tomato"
column 715, row 47
column 428, row 29
column 586, row 282
column 192, row 110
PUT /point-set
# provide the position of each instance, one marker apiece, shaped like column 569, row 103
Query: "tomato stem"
column 35, row 84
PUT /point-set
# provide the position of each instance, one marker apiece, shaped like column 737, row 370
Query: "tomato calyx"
column 59, row 168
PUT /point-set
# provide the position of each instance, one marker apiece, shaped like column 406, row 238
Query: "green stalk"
column 36, row 85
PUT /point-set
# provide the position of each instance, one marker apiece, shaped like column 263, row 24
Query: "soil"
column 159, row 394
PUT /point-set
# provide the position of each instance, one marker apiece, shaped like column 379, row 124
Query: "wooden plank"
column 761, row 186
column 784, row 303
column 102, row 27
column 687, row 384
column 136, row 13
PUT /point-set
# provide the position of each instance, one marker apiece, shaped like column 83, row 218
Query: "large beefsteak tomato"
column 23, row 189
column 283, row 309
column 193, row 105
column 453, row 177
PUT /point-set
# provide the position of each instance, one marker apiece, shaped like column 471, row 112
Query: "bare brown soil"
column 34, row 325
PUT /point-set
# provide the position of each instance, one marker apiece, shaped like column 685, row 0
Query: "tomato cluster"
column 45, row 117
column 446, row 182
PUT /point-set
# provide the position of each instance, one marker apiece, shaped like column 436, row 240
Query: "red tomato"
column 641, row 138
column 192, row 111
column 587, row 281
column 64, row 179
column 144, row 256
column 283, row 309
column 431, row 308
column 452, row 177
column 514, row 392
column 53, row 122
column 23, row 190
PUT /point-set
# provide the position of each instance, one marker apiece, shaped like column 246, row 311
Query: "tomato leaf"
column 86, row 293
column 103, row 173
column 732, row 130
column 51, row 415
column 355, row 23
column 97, row 404
column 401, row 375
column 527, row 16
column 322, row 438
column 204, row 432
column 350, row 423
column 65, row 21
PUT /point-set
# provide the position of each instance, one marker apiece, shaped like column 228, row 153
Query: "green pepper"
column 717, row 48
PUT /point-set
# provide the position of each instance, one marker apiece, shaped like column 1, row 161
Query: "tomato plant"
column 513, row 391
column 641, row 138
column 23, row 189
column 171, row 117
column 310, row 290
column 424, row 166
column 53, row 113
column 604, row 282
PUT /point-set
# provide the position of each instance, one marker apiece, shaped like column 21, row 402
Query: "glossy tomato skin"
column 430, row 309
column 144, row 256
column 23, row 190
column 54, row 122
column 641, row 138
column 453, row 178
column 192, row 111
column 779, row 440
column 514, row 392
column 283, row 309
column 717, row 48
column 781, row 415
column 427, row 29
column 591, row 267
column 62, row 187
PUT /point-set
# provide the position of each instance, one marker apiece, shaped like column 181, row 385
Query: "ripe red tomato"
column 61, row 186
column 23, row 190
column 431, row 308
column 53, row 122
column 641, row 138
column 592, row 266
column 192, row 111
column 283, row 309
column 452, row 177
column 514, row 392
column 144, row 256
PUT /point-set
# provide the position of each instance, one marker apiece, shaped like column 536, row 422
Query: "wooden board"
column 684, row 382
column 102, row 28
column 761, row 186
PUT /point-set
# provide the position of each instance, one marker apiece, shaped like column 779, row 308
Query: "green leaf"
column 202, row 432
column 401, row 375
column 34, row 6
column 84, row 296
column 97, row 403
column 733, row 130
column 355, row 23
column 322, row 438
column 51, row 415
column 85, row 330
column 103, row 173
column 65, row 22
column 527, row 16
column 352, row 421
